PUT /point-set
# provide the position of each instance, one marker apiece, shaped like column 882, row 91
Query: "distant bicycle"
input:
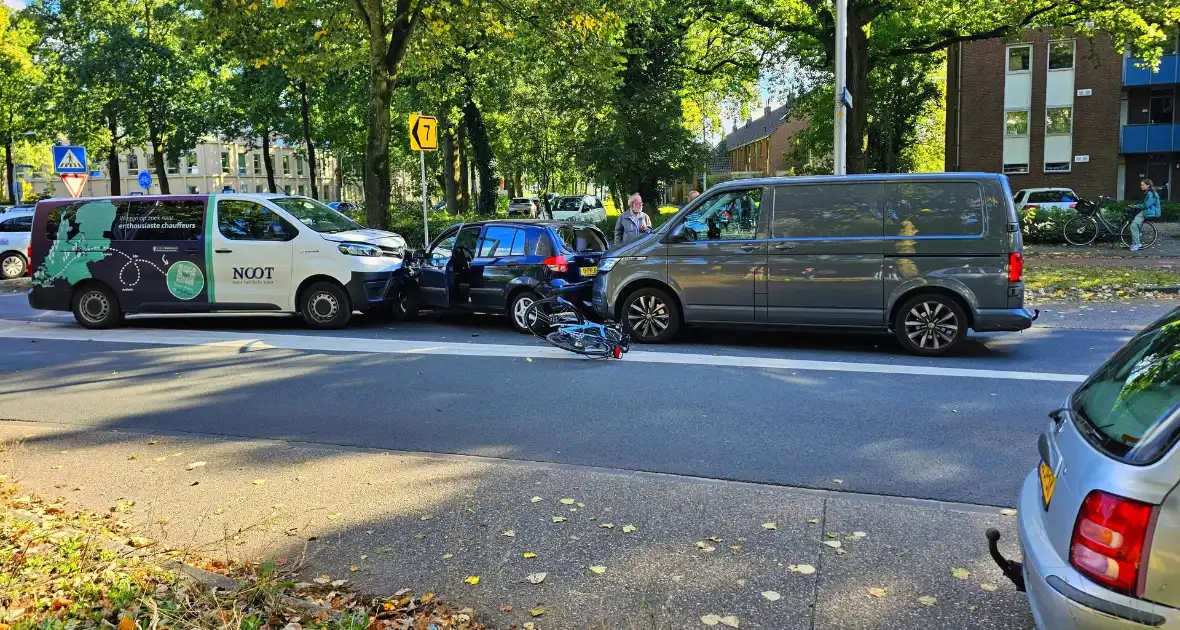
column 1090, row 225
column 561, row 322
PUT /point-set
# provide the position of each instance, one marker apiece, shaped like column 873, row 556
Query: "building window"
column 190, row 160
column 301, row 189
column 1162, row 106
column 1010, row 169
column 1019, row 58
column 299, row 166
column 286, row 188
column 225, row 162
column 258, row 188
column 245, row 188
column 1061, row 55
column 241, row 164
column 1057, row 167
column 257, row 164
column 172, row 165
column 1016, row 123
column 192, row 190
column 286, row 166
column 1058, row 121
column 132, row 162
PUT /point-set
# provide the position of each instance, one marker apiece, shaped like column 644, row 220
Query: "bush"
column 1044, row 225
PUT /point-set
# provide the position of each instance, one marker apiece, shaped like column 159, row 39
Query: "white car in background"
column 584, row 208
column 16, row 230
column 1046, row 198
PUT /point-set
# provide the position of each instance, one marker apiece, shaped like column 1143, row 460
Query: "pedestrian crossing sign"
column 70, row 160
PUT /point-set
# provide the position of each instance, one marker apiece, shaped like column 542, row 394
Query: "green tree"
column 23, row 115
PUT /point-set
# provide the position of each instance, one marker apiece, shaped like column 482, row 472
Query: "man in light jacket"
column 633, row 223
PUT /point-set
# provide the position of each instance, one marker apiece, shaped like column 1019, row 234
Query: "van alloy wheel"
column 931, row 326
column 323, row 306
column 648, row 316
column 13, row 266
column 94, row 306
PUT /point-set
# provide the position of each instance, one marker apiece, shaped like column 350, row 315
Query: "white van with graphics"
column 104, row 257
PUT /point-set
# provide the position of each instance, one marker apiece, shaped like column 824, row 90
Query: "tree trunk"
column 377, row 145
column 158, row 159
column 267, row 163
column 481, row 146
column 858, row 84
column 450, row 167
column 113, row 157
column 650, row 191
column 305, row 113
column 463, row 195
column 10, row 172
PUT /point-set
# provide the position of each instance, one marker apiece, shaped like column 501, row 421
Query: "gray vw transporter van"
column 926, row 256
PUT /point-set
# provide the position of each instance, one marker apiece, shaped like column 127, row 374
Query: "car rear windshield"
column 581, row 239
column 316, row 215
column 569, row 204
column 1130, row 408
column 1052, row 196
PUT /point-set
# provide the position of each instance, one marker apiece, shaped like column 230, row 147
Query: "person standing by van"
column 633, row 223
column 1150, row 208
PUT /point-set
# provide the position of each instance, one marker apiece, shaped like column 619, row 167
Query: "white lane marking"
column 221, row 339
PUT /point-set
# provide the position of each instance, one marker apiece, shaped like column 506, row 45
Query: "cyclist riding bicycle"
column 1149, row 209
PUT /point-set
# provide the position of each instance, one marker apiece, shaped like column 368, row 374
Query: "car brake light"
column 1015, row 267
column 1109, row 539
column 1027, row 207
column 1073, row 206
column 557, row 263
column 29, row 259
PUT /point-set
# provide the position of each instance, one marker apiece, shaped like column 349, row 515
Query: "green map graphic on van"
column 69, row 257
column 185, row 280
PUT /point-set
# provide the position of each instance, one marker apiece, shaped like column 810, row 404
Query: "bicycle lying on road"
column 560, row 322
column 1090, row 225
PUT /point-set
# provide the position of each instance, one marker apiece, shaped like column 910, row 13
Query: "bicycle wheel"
column 1081, row 230
column 580, row 343
column 1147, row 234
column 544, row 315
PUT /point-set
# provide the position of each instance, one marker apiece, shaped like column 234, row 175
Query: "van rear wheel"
column 325, row 305
column 930, row 325
column 96, row 307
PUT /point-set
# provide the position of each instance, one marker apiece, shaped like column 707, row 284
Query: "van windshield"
column 1129, row 408
column 316, row 215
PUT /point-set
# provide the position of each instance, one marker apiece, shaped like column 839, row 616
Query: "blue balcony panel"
column 1149, row 138
column 1168, row 73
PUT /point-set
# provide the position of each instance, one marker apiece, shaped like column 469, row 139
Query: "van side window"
column 826, row 211
column 934, row 209
column 164, row 220
column 729, row 216
column 248, row 221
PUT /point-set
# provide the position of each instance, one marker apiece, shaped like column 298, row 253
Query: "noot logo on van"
column 254, row 275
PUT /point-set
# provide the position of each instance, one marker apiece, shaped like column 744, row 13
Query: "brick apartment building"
column 760, row 145
column 1054, row 110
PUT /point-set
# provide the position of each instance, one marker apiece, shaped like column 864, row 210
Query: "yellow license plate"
column 1048, row 483
column 589, row 271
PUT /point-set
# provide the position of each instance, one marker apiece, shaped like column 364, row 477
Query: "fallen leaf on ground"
column 814, row 521
column 711, row 620
column 529, row 555
column 59, row 468
column 535, row 578
column 339, row 583
column 771, row 596
column 194, row 465
column 704, row 546
column 506, row 609
column 736, row 548
column 472, row 579
column 805, row 569
column 139, row 542
column 837, row 481
column 558, row 519
column 607, row 525
column 962, row 574
column 448, row 556
column 527, row 359
column 535, row 499
column 510, row 533
column 834, row 544
column 567, row 501
column 714, row 539
column 178, row 453
column 159, row 459
column 132, row 458
column 927, row 600
column 627, row 529
column 333, row 516
column 859, row 535
column 598, row 570
column 877, row 592
column 323, row 579
column 258, row 482
column 972, row 607
column 730, row 621
column 536, row 612
column 127, row 624
column 991, row 588
column 770, row 526
column 419, row 536
column 830, row 534
column 426, row 517
column 353, row 569
column 150, row 442
column 1007, row 512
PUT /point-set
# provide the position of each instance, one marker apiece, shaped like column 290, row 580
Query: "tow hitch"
column 1012, row 570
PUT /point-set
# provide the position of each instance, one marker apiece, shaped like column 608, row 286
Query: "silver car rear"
column 1099, row 520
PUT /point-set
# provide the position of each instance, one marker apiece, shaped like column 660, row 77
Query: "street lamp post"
column 839, row 142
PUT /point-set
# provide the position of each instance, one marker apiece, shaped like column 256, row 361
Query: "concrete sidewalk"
column 386, row 521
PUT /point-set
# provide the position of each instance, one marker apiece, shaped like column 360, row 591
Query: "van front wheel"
column 930, row 325
column 325, row 305
column 650, row 315
column 96, row 307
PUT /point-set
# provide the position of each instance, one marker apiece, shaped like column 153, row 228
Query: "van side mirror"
column 677, row 234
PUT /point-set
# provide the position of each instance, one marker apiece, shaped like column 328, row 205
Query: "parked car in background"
column 582, row 208
column 1099, row 518
column 496, row 266
column 1045, row 198
column 523, row 207
column 16, row 228
column 923, row 256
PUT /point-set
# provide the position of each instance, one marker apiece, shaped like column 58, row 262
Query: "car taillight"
column 1073, row 206
column 1109, row 538
column 29, row 258
column 557, row 263
column 1015, row 267
column 1027, row 207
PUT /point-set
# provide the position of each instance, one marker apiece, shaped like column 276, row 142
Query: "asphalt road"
column 715, row 405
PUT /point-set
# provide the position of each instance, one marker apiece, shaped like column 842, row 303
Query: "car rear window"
column 1051, row 196
column 581, row 239
column 1130, row 408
